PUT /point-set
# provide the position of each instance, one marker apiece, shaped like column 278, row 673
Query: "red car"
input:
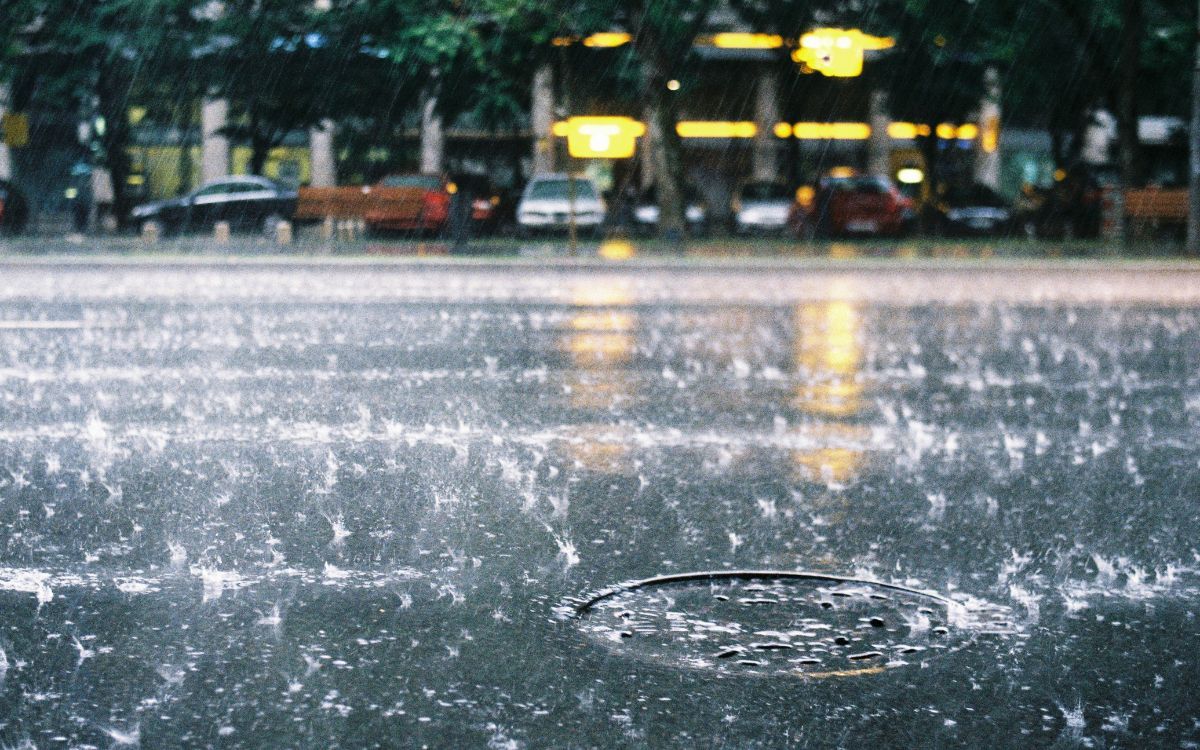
column 435, row 204
column 857, row 205
column 424, row 206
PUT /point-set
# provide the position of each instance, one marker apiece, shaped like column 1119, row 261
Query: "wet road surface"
column 368, row 505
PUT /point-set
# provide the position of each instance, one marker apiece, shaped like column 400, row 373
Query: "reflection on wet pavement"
column 342, row 505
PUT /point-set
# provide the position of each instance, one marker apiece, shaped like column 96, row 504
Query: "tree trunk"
column 1129, row 58
column 928, row 146
column 666, row 149
column 1193, row 227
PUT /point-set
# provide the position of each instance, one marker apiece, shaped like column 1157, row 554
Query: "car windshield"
column 424, row 181
column 559, row 189
column 861, row 185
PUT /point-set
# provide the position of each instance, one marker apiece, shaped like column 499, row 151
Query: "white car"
column 761, row 207
column 546, row 205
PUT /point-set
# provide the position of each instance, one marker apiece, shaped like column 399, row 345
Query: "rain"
column 541, row 373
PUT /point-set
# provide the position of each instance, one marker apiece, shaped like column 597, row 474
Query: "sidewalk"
column 491, row 249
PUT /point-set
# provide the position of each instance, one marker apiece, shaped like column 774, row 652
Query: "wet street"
column 377, row 504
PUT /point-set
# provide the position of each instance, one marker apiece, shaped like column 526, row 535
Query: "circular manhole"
column 763, row 622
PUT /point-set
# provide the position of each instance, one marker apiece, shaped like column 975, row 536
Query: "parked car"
column 855, row 205
column 246, row 202
column 695, row 211
column 426, row 209
column 972, row 210
column 14, row 209
column 761, row 207
column 546, row 205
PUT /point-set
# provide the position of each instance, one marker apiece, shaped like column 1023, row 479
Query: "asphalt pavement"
column 617, row 501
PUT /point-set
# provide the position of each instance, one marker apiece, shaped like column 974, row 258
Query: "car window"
column 559, row 190
column 424, row 181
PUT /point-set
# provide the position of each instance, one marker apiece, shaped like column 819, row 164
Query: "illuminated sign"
column 600, row 137
column 716, row 129
column 735, row 40
column 834, row 131
column 607, row 39
column 837, row 52
column 947, row 131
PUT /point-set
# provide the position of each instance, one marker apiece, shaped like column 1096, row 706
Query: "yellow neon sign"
column 837, row 52
column 600, row 137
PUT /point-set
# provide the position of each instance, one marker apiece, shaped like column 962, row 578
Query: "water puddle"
column 781, row 623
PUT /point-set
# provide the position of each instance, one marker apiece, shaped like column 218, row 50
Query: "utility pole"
column 1193, row 226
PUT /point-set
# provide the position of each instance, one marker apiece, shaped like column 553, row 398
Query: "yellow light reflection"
column 600, row 341
column 617, row 250
column 828, row 353
column 782, row 130
column 991, row 134
column 840, row 459
column 946, row 131
column 599, row 447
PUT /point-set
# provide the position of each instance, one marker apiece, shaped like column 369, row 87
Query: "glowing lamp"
column 734, row 40
column 607, row 39
column 837, row 52
column 600, row 137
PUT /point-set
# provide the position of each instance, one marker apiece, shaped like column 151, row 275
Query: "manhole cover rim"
column 581, row 606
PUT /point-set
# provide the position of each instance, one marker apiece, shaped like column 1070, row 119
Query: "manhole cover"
column 780, row 623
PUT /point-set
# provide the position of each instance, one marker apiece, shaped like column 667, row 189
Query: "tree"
column 279, row 63
column 89, row 59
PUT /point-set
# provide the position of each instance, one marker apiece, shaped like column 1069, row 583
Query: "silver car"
column 546, row 205
column 761, row 207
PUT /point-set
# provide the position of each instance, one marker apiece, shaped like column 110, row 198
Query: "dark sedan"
column 971, row 211
column 248, row 203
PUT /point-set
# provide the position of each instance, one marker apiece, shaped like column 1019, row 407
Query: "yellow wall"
column 277, row 159
column 159, row 166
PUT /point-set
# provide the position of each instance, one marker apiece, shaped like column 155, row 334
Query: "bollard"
column 327, row 229
column 221, row 232
column 151, row 232
column 283, row 232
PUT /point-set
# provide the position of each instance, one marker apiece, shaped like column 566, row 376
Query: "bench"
column 1156, row 212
